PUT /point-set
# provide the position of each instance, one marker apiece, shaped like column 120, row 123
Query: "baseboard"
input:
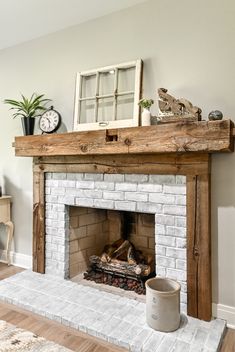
column 18, row 259
column 224, row 312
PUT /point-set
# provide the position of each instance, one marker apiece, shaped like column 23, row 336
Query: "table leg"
column 10, row 229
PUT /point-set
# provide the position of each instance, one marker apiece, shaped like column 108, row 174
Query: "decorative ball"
column 215, row 115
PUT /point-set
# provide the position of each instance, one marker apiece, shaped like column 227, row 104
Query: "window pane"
column 106, row 84
column 87, row 111
column 88, row 86
column 126, row 79
column 125, row 107
column 105, row 109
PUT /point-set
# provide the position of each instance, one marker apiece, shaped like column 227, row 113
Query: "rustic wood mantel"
column 197, row 137
column 180, row 149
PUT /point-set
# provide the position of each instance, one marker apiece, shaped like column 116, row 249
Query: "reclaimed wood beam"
column 181, row 137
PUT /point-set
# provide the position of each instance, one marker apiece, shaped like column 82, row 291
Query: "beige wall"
column 187, row 46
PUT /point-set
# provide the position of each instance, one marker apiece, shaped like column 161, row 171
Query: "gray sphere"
column 215, row 115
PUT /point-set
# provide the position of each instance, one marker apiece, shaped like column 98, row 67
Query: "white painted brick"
column 52, row 183
column 176, row 253
column 59, row 224
column 47, row 190
column 160, row 250
column 84, row 202
column 153, row 342
column 57, row 191
column 166, row 344
column 175, row 274
column 85, row 184
column 179, row 189
column 183, row 297
column 180, row 221
column 109, row 186
column 58, row 207
column 51, row 199
column 113, row 195
column 161, row 198
column 67, row 183
column 48, row 222
column 104, row 204
column 62, row 216
column 125, row 205
column 70, row 200
column 136, row 178
column 140, row 339
column 136, row 196
column 88, row 193
column 126, row 186
column 180, row 200
column 162, row 179
column 151, row 208
column 51, row 247
column 160, row 229
column 48, row 175
column 180, row 179
column 176, row 231
column 164, row 219
column 114, row 177
column 93, row 177
column 75, row 176
column 147, row 187
column 165, row 240
column 59, row 176
column 181, row 243
column 174, row 210
column 181, row 264
column 51, row 215
column 160, row 271
column 165, row 261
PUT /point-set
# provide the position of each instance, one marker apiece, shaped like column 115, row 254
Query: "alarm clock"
column 50, row 121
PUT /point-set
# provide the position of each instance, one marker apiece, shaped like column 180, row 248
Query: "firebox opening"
column 112, row 247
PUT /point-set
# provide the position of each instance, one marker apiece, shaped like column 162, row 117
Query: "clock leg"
column 10, row 230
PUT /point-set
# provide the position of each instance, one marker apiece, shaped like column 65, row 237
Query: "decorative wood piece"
column 181, row 108
column 197, row 137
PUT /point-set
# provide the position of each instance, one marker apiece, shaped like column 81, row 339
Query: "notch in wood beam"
column 111, row 136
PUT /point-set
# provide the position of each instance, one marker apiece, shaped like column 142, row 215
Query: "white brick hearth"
column 162, row 195
column 116, row 319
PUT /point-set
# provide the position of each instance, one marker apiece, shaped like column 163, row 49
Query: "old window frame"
column 113, row 122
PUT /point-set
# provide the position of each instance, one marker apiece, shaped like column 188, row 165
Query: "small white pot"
column 146, row 117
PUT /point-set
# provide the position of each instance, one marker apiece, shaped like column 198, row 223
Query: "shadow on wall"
column 222, row 196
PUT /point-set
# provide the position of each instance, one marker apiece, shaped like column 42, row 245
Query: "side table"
column 5, row 218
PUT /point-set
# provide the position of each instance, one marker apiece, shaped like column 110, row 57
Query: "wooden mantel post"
column 38, row 222
column 199, row 247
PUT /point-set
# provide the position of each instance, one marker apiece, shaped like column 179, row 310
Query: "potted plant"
column 146, row 115
column 28, row 109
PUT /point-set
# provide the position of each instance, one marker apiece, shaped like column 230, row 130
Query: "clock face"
column 49, row 121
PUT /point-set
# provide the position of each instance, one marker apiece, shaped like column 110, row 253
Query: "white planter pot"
column 146, row 118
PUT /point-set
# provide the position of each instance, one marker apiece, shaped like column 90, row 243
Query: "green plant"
column 28, row 107
column 146, row 103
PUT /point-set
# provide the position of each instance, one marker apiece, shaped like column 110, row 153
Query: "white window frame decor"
column 111, row 122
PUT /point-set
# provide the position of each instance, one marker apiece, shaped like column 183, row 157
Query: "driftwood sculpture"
column 177, row 109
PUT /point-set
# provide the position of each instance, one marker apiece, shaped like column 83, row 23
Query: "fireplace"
column 83, row 214
column 181, row 148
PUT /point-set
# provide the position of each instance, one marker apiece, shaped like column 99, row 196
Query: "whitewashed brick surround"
column 162, row 195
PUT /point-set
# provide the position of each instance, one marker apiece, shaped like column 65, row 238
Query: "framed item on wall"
column 108, row 97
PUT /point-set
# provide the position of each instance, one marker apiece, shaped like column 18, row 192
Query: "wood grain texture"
column 172, row 164
column 181, row 137
column 199, row 247
column 38, row 222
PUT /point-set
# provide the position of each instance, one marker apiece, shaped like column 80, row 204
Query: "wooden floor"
column 70, row 338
